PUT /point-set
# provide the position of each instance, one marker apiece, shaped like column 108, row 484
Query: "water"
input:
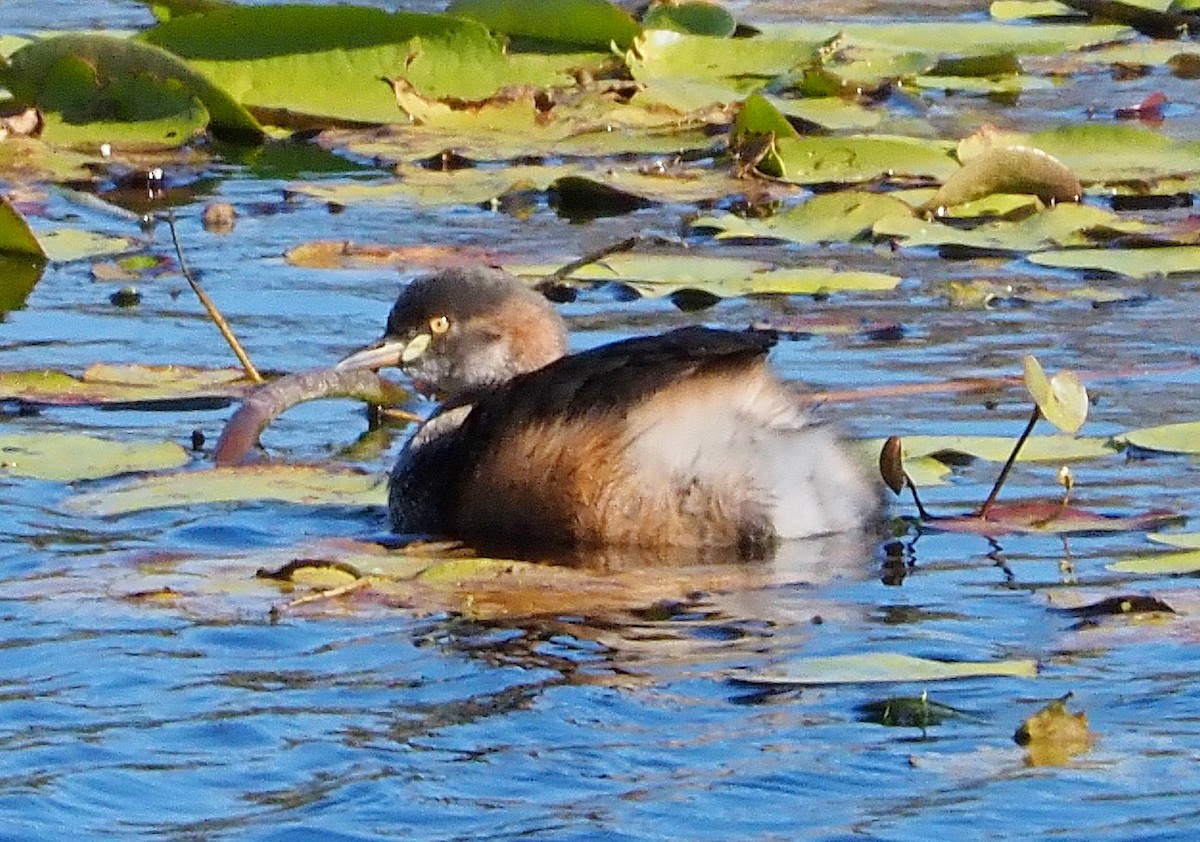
column 201, row 719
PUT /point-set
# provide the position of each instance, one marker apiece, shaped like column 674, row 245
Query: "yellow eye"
column 439, row 325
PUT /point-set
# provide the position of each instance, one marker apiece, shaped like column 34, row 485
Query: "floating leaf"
column 857, row 158
column 303, row 484
column 1133, row 263
column 588, row 23
column 15, row 236
column 693, row 18
column 1062, row 398
column 1169, row 438
column 834, row 217
column 67, row 457
column 1189, row 540
column 884, row 667
column 659, row 53
column 664, row 274
column 328, row 60
column 1181, row 563
column 997, row 448
column 981, row 292
column 1035, row 518
column 166, row 387
column 113, row 84
column 63, row 245
column 1061, row 225
column 959, row 38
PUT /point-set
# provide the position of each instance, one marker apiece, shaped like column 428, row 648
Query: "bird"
column 684, row 439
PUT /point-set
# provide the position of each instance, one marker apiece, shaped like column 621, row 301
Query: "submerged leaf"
column 1054, row 735
column 884, row 667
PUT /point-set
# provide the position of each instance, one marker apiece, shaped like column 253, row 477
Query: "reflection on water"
column 146, row 692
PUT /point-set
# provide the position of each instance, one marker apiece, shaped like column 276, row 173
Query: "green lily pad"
column 1063, row 224
column 177, row 386
column 1186, row 540
column 1133, row 263
column 1102, row 152
column 961, row 39
column 121, row 89
column 302, row 484
column 1062, row 399
column 884, row 667
column 829, row 112
column 1168, row 438
column 655, row 275
column 694, row 18
column 16, row 238
column 1162, row 564
column 857, row 158
column 658, row 53
column 63, row 245
column 1019, row 9
column 329, row 60
column 833, row 217
column 1053, row 448
column 587, row 23
column 68, row 457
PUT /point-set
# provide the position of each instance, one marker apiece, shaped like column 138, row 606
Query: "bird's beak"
column 389, row 351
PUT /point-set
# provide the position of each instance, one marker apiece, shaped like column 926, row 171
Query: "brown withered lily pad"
column 1049, row 519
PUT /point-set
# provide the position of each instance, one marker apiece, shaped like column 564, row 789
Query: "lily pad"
column 834, row 217
column 1011, row 169
column 585, row 23
column 16, row 238
column 1062, row 399
column 64, row 245
column 1043, row 518
column 328, row 60
column 165, row 387
column 693, row 18
column 1056, row 448
column 658, row 53
column 856, row 159
column 884, row 667
column 302, row 484
column 1169, row 438
column 68, row 457
column 663, row 274
column 1061, row 225
column 1133, row 263
column 113, row 84
column 1181, row 563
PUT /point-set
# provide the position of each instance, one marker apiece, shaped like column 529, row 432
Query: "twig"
column 319, row 596
column 213, row 312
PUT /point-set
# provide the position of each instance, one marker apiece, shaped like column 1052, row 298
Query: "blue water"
column 203, row 719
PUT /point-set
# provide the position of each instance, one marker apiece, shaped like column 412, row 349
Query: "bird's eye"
column 439, row 325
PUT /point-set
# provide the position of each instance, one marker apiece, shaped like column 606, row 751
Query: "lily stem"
column 1012, row 458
